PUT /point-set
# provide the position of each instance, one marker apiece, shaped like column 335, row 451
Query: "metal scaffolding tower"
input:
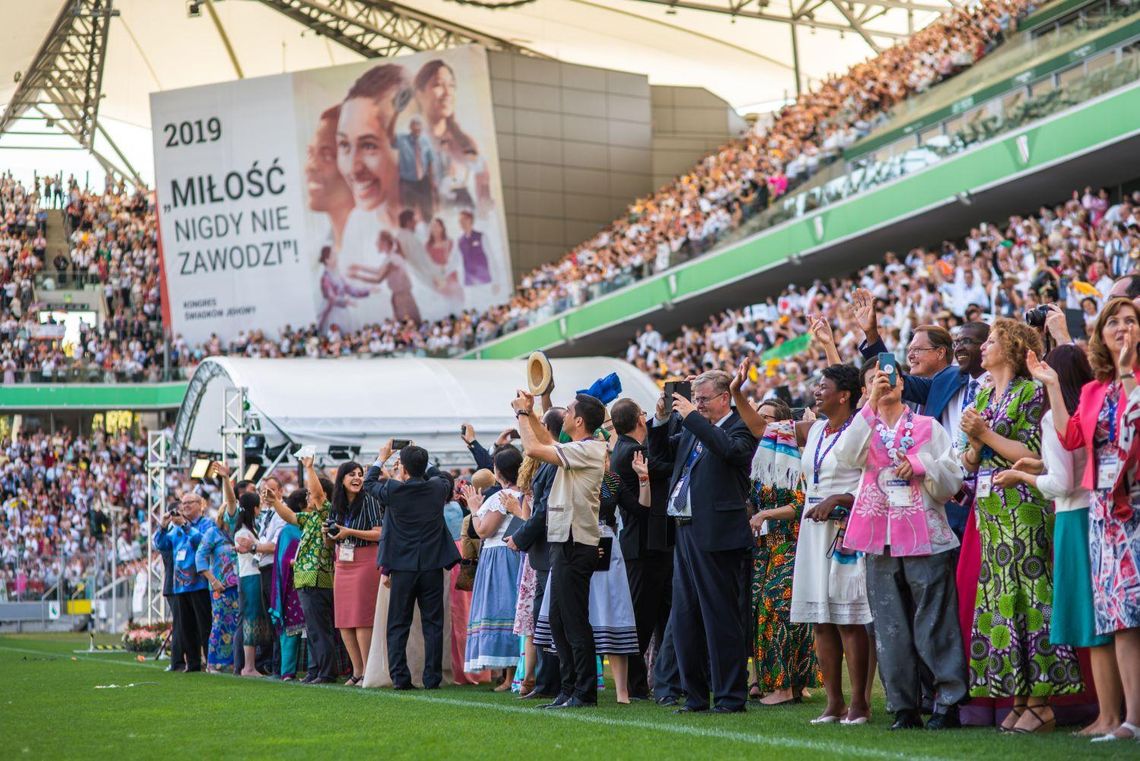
column 157, row 451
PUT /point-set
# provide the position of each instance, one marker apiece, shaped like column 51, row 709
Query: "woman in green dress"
column 1010, row 652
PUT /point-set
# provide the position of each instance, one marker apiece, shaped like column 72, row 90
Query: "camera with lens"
column 1035, row 317
column 331, row 527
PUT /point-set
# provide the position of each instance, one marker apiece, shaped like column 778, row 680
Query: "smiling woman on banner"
column 367, row 160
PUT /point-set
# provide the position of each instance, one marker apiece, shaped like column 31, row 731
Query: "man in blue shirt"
column 180, row 534
column 417, row 170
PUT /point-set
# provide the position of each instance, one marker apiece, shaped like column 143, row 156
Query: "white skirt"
column 815, row 600
column 611, row 609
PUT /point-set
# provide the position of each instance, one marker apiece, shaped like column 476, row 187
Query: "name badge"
column 898, row 492
column 814, row 500
column 180, row 556
column 763, row 528
column 985, row 484
column 346, row 553
column 1107, row 471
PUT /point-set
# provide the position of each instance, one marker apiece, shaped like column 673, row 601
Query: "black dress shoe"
column 666, row 700
column 907, row 720
column 727, row 709
column 691, row 709
column 561, row 698
column 948, row 720
column 574, row 702
column 402, row 687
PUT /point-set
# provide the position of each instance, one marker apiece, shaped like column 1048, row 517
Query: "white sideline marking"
column 583, row 716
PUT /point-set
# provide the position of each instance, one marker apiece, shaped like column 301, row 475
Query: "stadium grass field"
column 52, row 707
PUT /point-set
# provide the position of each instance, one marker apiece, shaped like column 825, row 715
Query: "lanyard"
column 817, row 458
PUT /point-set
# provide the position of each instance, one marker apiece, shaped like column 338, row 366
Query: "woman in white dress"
column 829, row 588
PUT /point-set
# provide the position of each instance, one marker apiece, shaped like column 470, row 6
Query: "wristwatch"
column 521, row 413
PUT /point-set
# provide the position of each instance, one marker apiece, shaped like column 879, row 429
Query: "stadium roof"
column 740, row 49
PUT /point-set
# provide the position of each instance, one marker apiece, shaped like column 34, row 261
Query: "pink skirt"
column 355, row 586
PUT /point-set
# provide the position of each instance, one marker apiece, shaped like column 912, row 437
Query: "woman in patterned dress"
column 1105, row 427
column 1010, row 652
column 783, row 656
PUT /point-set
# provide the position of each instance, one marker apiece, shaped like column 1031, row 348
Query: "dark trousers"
column 177, row 659
column 708, row 625
column 650, row 586
column 410, row 588
column 914, row 601
column 194, row 619
column 666, row 675
column 268, row 655
column 571, row 568
column 317, row 607
column 547, row 680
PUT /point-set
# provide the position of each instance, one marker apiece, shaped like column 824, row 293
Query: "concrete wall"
column 688, row 122
column 575, row 148
column 578, row 144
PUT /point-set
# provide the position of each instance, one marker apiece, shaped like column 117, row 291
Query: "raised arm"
column 312, row 483
column 823, row 336
column 273, row 499
column 535, row 438
column 743, row 404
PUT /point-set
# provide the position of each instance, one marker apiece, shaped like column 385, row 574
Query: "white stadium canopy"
column 364, row 402
column 739, row 49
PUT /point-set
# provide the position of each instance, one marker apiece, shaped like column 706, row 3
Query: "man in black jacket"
column 646, row 537
column 415, row 547
column 711, row 461
column 531, row 539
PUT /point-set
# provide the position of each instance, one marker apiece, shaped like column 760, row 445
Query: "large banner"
column 335, row 197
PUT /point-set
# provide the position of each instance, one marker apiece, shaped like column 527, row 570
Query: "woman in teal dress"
column 1011, row 655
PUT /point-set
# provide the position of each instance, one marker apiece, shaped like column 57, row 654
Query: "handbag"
column 469, row 548
column 847, row 574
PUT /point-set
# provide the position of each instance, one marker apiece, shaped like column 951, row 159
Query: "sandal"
column 353, row 681
column 1112, row 736
column 1015, row 712
column 1043, row 726
column 754, row 691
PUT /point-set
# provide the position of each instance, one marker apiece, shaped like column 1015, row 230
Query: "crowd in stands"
column 1066, row 254
column 57, row 494
column 113, row 238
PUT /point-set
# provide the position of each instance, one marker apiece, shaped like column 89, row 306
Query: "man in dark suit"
column 711, row 461
column 531, row 539
column 646, row 537
column 415, row 548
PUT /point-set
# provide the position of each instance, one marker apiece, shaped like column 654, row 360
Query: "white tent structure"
column 101, row 59
column 361, row 403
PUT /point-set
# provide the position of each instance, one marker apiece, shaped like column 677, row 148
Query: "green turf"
column 50, row 708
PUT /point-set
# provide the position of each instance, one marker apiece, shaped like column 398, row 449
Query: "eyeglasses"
column 699, row 400
column 966, row 341
column 919, row 349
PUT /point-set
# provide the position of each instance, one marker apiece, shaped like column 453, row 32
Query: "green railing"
column 114, row 396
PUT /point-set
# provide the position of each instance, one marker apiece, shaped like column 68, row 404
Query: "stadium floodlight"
column 193, row 9
column 965, row 198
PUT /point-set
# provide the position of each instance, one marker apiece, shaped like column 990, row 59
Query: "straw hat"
column 539, row 374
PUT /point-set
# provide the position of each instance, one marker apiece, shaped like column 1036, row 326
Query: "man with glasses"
column 710, row 460
column 180, row 534
column 940, row 389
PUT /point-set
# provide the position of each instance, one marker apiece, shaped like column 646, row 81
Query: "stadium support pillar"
column 157, row 448
column 795, row 58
